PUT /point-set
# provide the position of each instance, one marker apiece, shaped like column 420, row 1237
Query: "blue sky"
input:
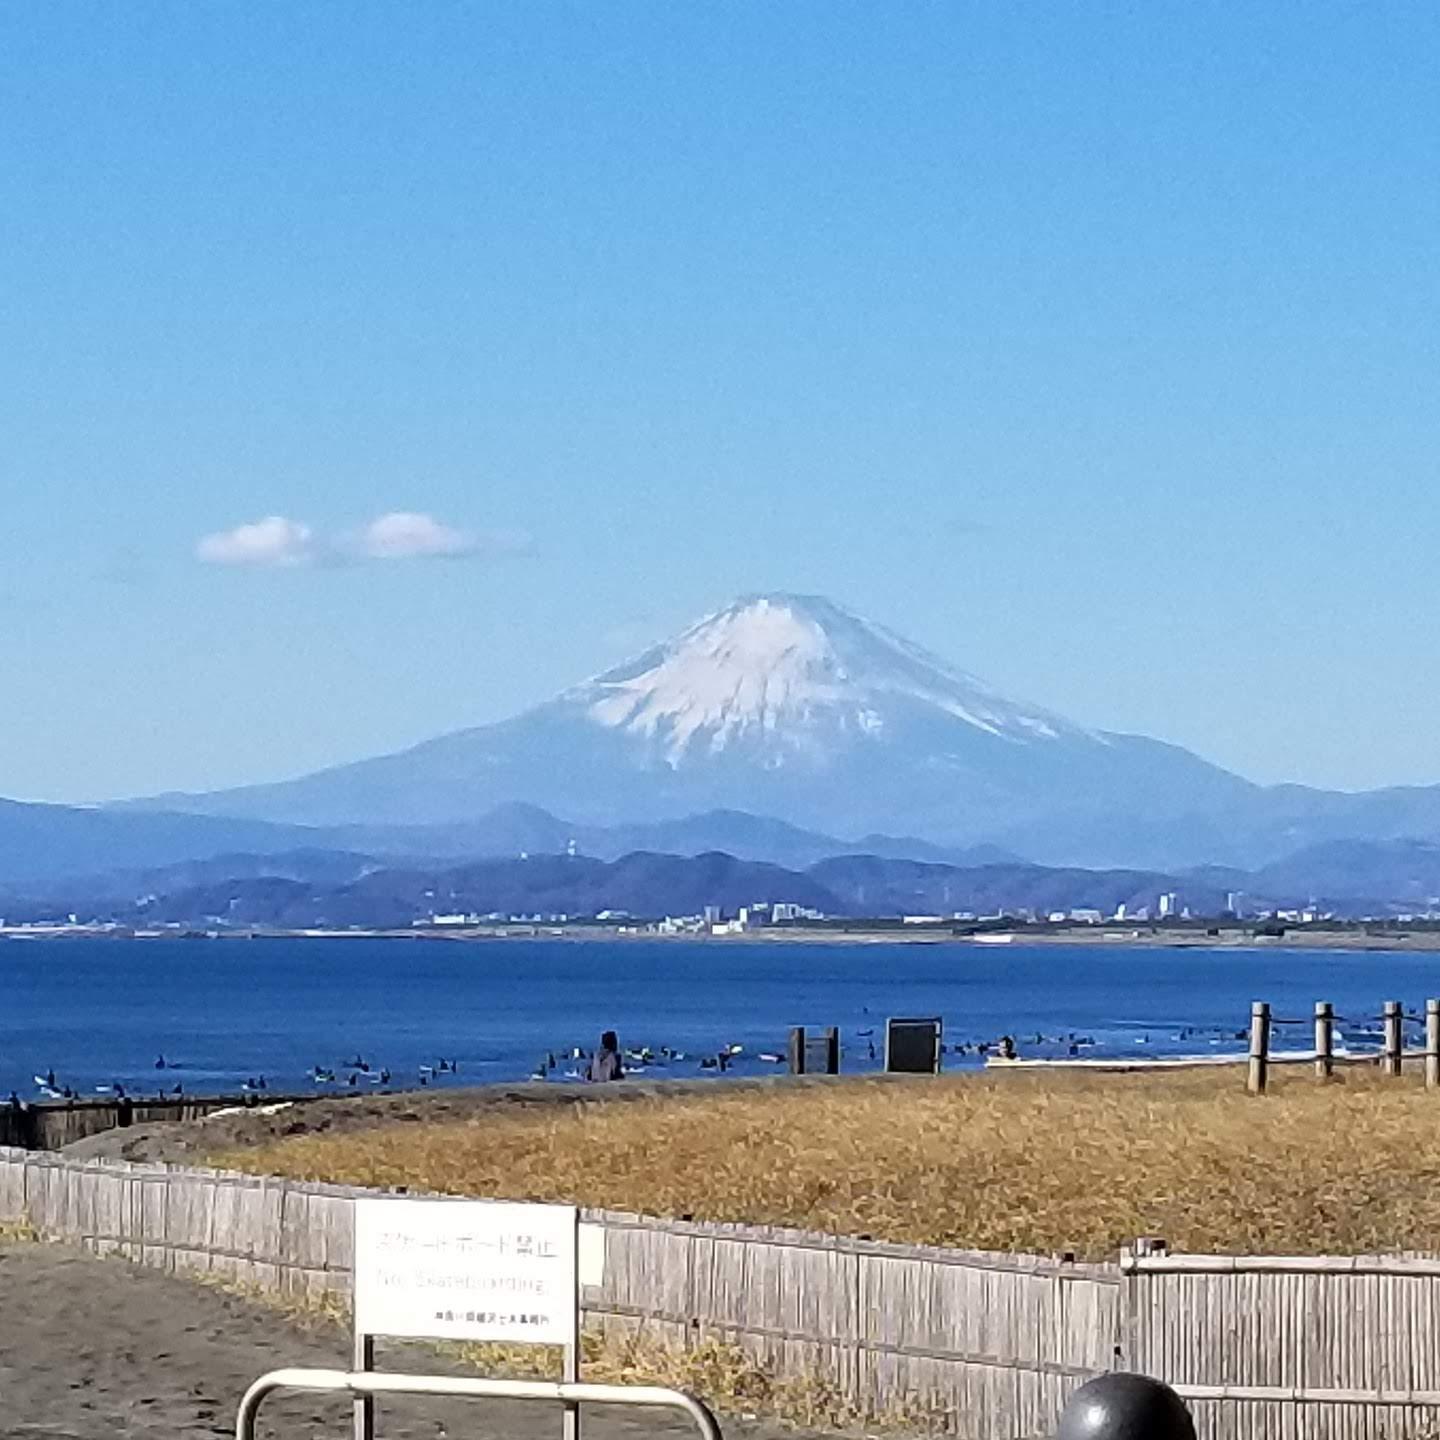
column 1094, row 346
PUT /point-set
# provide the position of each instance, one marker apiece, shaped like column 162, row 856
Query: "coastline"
column 1357, row 939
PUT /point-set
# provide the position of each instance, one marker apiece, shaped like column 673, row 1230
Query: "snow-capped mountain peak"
column 787, row 674
column 793, row 707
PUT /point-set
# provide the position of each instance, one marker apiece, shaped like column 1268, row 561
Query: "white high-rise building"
column 1166, row 908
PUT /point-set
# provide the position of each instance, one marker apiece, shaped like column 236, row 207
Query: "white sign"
column 466, row 1270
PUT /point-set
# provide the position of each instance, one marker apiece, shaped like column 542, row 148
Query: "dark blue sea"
column 221, row 1013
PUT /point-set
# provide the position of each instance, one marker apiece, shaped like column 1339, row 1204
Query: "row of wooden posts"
column 1392, row 1048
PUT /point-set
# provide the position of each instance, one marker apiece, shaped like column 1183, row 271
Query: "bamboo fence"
column 978, row 1345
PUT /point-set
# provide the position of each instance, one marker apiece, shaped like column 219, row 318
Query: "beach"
column 92, row 1348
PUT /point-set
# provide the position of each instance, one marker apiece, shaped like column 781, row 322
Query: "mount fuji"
column 793, row 707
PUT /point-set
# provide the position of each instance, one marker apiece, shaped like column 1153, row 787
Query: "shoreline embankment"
column 1357, row 938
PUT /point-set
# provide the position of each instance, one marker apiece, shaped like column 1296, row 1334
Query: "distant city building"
column 1166, row 907
column 784, row 910
column 712, row 914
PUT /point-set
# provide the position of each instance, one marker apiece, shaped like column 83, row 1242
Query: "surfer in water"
column 605, row 1064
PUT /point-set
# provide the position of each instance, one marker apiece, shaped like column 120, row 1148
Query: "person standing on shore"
column 605, row 1063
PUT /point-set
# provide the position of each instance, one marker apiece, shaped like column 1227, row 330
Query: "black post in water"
column 797, row 1050
column 832, row 1051
column 1122, row 1406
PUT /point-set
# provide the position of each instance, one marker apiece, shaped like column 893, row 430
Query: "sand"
column 93, row 1348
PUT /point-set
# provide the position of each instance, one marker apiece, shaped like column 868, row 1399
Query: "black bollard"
column 1121, row 1406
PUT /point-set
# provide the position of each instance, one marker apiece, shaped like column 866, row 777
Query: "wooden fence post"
column 1259, row 1047
column 1394, row 1038
column 832, row 1050
column 1432, row 1044
column 1324, row 1039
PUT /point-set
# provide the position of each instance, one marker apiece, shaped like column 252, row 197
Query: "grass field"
column 1044, row 1163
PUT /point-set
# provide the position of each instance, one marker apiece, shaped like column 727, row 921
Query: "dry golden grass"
column 722, row 1373
column 728, row 1378
column 1045, row 1163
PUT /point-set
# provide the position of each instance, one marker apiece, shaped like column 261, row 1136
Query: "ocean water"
column 97, row 1012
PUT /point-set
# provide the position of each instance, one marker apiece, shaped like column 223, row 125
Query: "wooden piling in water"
column 797, row 1050
column 1432, row 1044
column 1259, row 1047
column 1324, row 1039
column 1394, row 1050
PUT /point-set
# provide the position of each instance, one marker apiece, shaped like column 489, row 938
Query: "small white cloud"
column 271, row 542
column 411, row 535
column 397, row 535
column 414, row 535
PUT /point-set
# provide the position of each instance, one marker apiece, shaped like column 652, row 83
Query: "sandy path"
column 95, row 1349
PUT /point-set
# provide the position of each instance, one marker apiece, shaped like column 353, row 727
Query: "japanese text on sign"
column 462, row 1270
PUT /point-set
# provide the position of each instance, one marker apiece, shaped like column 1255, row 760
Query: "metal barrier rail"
column 376, row 1382
column 1309, row 1395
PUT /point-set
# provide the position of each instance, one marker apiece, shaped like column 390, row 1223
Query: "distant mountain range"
column 116, row 850
column 794, row 708
column 310, row 889
column 307, row 888
column 783, row 744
